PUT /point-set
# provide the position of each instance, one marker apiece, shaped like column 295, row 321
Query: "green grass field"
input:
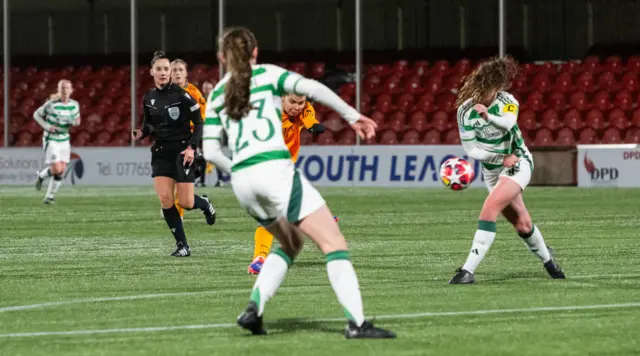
column 92, row 276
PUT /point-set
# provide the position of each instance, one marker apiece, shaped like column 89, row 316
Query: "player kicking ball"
column 489, row 133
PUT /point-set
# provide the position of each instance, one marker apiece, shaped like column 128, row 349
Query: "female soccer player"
column 168, row 112
column 56, row 116
column 247, row 105
column 179, row 76
column 297, row 114
column 489, row 133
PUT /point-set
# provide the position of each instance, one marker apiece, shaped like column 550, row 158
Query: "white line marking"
column 246, row 290
column 394, row 316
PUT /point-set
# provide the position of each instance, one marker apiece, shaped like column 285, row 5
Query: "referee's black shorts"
column 166, row 161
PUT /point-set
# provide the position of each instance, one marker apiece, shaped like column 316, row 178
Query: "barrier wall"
column 338, row 166
column 608, row 165
column 343, row 166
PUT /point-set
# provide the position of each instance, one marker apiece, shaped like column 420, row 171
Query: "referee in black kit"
column 168, row 109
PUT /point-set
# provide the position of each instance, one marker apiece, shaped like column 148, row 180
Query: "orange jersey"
column 195, row 93
column 291, row 128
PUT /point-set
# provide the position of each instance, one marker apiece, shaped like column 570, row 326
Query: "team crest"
column 174, row 113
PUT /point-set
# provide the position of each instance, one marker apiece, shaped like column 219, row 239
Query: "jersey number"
column 259, row 106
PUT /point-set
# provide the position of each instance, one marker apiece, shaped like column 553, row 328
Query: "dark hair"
column 158, row 55
column 496, row 73
column 237, row 45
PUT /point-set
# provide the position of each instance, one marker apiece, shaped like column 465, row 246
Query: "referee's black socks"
column 172, row 217
column 200, row 203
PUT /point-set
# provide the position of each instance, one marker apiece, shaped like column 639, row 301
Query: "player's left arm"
column 195, row 117
column 76, row 119
column 310, row 122
column 508, row 115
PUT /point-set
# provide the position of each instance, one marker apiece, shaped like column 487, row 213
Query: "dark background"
column 91, row 29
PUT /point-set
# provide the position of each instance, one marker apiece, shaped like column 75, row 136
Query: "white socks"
column 345, row 284
column 270, row 278
column 535, row 242
column 482, row 241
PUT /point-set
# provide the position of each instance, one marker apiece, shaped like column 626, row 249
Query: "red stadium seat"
column 607, row 81
column 527, row 120
column 317, row 70
column 412, row 85
column 624, row 100
column 632, row 136
column 635, row 118
column 378, row 117
column 611, row 136
column 388, row 138
column 404, row 102
column 618, row 119
column 418, row 121
column 325, row 138
column 563, row 83
column 550, row 120
column 441, row 122
column 396, row 123
column 585, row 82
column 578, row 101
column 432, row 137
column 613, row 64
column 629, row 82
column 587, row 136
column 421, row 68
column 565, row 138
column 573, row 120
column 633, row 64
column 441, row 67
column 591, row 64
column 543, row 138
column 595, row 119
column 570, row 67
column 557, row 101
column 410, row 137
column 601, row 101
column 541, row 83
column 452, row 137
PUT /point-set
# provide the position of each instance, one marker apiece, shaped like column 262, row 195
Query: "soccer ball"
column 456, row 173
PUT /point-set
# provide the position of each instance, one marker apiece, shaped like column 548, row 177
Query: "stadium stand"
column 592, row 101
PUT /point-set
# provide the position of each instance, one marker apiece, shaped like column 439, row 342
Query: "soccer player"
column 247, row 105
column 56, row 116
column 179, row 76
column 489, row 133
column 297, row 114
column 168, row 112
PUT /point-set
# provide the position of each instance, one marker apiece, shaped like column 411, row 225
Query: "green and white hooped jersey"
column 491, row 138
column 258, row 136
column 61, row 115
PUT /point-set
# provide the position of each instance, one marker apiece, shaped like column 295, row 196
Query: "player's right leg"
column 164, row 187
column 322, row 228
column 518, row 215
column 504, row 192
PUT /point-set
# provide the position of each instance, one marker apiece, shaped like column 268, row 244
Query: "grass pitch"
column 92, row 276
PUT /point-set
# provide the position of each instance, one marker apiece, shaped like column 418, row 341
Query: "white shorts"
column 57, row 151
column 520, row 175
column 274, row 189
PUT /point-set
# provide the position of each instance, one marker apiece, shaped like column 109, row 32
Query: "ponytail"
column 237, row 46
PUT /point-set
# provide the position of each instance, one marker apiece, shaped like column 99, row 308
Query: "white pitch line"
column 393, row 316
column 179, row 294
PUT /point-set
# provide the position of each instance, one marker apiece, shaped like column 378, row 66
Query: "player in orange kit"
column 179, row 75
column 297, row 114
